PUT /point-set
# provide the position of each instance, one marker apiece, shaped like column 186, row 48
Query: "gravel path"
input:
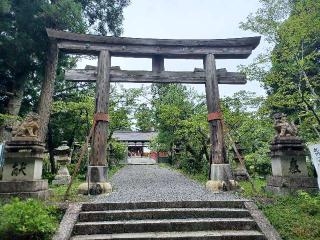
column 152, row 183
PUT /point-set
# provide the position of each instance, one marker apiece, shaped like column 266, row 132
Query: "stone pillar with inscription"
column 288, row 156
column 22, row 169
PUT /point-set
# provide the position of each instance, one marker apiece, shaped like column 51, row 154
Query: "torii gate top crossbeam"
column 231, row 48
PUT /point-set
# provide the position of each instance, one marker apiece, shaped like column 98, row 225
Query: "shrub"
column 310, row 204
column 258, row 163
column 191, row 165
column 48, row 175
column 295, row 217
column 29, row 219
column 118, row 152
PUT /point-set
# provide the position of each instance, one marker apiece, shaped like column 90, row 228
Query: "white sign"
column 1, row 154
column 315, row 157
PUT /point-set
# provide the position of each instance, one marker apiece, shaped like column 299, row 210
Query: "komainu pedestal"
column 23, row 163
column 288, row 156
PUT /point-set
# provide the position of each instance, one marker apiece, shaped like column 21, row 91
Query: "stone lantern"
column 62, row 157
column 240, row 172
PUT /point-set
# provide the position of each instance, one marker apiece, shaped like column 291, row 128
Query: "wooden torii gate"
column 156, row 49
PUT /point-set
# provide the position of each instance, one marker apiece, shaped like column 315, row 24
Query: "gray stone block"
column 97, row 173
column 22, row 166
column 221, row 172
column 289, row 185
column 287, row 191
column 166, row 225
column 69, row 219
column 170, row 213
column 23, row 186
column 175, row 204
column 61, row 180
column 289, row 165
column 43, row 195
column 293, row 182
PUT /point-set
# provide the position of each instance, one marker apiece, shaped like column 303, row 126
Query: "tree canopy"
column 24, row 43
column 23, row 40
column 290, row 72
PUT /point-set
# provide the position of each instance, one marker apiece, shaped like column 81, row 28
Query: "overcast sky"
column 188, row 19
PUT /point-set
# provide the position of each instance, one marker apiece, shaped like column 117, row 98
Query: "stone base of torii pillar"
column 221, row 178
column 97, row 183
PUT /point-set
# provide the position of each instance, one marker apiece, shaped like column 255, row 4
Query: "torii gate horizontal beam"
column 117, row 75
column 230, row 48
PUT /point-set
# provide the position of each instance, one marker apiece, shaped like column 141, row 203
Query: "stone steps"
column 166, row 220
column 192, row 235
column 165, row 225
column 144, row 205
column 164, row 213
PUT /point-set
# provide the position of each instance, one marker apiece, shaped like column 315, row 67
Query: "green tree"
column 181, row 122
column 180, row 117
column 72, row 119
column 248, row 121
column 292, row 81
column 170, row 107
column 23, row 41
column 144, row 117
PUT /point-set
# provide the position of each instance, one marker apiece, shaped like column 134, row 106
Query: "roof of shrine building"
column 131, row 136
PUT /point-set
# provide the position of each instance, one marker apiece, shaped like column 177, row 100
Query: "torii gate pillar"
column 220, row 177
column 98, row 166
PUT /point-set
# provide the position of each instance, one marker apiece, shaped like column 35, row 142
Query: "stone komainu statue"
column 27, row 128
column 283, row 127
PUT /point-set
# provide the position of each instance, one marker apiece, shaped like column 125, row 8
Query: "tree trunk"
column 44, row 108
column 15, row 101
column 50, row 150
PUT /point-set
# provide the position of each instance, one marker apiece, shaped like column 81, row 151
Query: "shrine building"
column 138, row 142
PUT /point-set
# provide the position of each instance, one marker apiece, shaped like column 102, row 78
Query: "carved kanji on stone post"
column 158, row 49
